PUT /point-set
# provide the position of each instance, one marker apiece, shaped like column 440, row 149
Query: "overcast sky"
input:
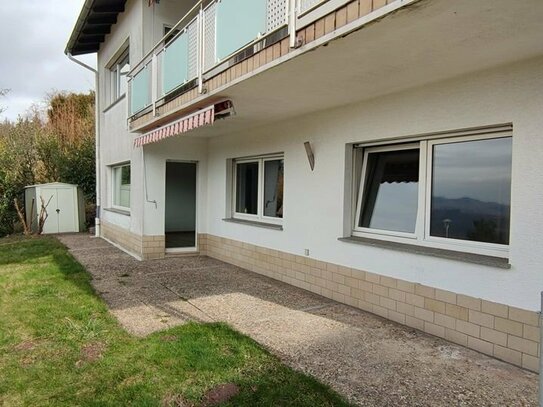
column 33, row 36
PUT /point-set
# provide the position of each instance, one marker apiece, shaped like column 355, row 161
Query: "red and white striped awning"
column 201, row 118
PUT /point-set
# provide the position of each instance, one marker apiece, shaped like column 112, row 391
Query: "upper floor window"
column 451, row 192
column 118, row 73
column 258, row 188
column 170, row 34
column 121, row 186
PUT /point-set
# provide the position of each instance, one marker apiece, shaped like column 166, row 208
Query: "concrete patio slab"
column 372, row 361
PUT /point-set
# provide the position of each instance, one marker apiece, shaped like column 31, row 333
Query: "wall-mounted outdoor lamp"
column 310, row 155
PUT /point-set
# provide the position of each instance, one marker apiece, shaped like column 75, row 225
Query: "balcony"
column 206, row 41
column 215, row 36
column 257, row 54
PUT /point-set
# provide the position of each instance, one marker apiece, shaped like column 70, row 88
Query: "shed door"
column 49, row 196
column 65, row 210
column 61, row 210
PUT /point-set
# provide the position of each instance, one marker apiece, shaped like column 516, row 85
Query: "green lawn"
column 60, row 346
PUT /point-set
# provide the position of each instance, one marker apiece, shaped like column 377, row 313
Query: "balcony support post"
column 291, row 19
column 154, row 82
column 200, row 58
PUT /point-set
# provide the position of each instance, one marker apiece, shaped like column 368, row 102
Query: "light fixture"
column 310, row 155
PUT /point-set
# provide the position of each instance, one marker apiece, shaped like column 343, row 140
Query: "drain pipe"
column 97, row 140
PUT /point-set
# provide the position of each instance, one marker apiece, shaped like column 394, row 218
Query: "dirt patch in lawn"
column 220, row 394
column 90, row 353
column 25, row 346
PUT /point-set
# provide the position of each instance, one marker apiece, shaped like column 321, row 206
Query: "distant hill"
column 470, row 219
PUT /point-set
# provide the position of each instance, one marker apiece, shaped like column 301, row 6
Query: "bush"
column 54, row 145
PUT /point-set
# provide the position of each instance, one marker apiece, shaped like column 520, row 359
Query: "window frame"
column 259, row 216
column 359, row 205
column 421, row 236
column 114, row 69
column 114, row 186
column 428, row 197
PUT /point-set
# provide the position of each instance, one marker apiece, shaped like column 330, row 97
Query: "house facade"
column 385, row 154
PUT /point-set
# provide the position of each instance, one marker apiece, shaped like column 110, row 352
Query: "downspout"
column 97, row 139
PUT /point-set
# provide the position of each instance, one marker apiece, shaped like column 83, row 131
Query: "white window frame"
column 422, row 236
column 114, row 185
column 259, row 217
column 380, row 149
column 115, row 74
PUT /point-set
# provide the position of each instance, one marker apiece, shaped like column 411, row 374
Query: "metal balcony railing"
column 210, row 33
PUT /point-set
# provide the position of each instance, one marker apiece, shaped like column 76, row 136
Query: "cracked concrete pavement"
column 372, row 361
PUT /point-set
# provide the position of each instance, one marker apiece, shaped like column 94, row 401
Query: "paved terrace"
column 372, row 361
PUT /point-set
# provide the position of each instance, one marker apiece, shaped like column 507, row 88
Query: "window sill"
column 115, row 103
column 264, row 225
column 117, row 211
column 480, row 259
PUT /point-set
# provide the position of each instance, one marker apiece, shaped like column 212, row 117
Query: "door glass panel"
column 247, row 188
column 273, row 188
column 390, row 198
column 471, row 190
column 180, row 205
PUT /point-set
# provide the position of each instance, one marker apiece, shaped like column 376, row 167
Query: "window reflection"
column 390, row 198
column 247, row 188
column 273, row 188
column 471, row 190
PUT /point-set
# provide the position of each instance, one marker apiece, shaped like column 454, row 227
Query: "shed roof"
column 51, row 184
column 93, row 24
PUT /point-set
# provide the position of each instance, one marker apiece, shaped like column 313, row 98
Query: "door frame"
column 193, row 249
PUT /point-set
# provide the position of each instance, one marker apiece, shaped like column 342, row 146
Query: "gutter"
column 97, row 140
column 85, row 11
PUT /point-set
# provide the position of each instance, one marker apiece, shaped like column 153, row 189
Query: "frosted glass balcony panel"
column 175, row 64
column 140, row 90
column 238, row 23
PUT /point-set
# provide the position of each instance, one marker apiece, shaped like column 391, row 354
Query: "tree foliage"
column 55, row 145
column 3, row 92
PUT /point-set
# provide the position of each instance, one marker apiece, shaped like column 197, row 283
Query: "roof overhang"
column 93, row 24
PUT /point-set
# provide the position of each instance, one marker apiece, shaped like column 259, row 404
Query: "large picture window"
column 258, row 188
column 441, row 192
column 121, row 186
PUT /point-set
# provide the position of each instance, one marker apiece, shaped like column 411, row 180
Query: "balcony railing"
column 215, row 34
column 208, row 35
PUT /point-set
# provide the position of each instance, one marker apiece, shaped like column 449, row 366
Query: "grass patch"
column 60, row 346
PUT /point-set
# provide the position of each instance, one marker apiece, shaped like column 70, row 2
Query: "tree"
column 3, row 92
column 55, row 144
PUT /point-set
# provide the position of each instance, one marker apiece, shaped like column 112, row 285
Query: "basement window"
column 121, row 187
column 450, row 193
column 258, row 189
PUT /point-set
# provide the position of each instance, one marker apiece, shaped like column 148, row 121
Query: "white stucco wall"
column 314, row 200
column 167, row 13
column 115, row 139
